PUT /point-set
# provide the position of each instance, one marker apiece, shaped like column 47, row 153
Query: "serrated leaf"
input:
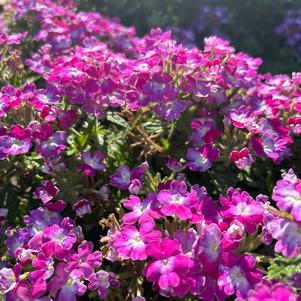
column 117, row 119
column 282, row 268
column 153, row 126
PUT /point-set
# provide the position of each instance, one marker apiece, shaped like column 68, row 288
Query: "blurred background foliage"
column 250, row 25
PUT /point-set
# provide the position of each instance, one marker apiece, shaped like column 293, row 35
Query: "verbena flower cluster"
column 99, row 125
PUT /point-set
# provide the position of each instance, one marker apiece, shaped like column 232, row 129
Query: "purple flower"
column 288, row 236
column 68, row 283
column 13, row 146
column 121, row 179
column 174, row 165
column 7, row 280
column 3, row 214
column 131, row 243
column 208, row 245
column 287, row 194
column 201, row 159
column 124, row 177
column 51, row 148
column 39, row 219
column 82, row 208
column 93, row 162
column 101, row 281
column 240, row 278
column 85, row 259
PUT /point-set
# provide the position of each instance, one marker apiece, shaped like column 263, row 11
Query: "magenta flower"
column 47, row 192
column 177, row 201
column 69, row 284
column 241, row 206
column 4, row 104
column 287, row 194
column 169, row 265
column 204, row 132
column 242, row 158
column 295, row 124
column 201, row 159
column 44, row 269
column 240, row 278
column 273, row 292
column 92, row 162
column 131, row 243
column 242, row 117
column 59, row 239
column 140, row 210
column 85, row 259
column 82, row 208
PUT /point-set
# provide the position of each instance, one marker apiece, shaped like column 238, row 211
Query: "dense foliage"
column 136, row 168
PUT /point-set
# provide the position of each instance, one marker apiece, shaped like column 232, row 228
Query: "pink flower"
column 131, row 243
column 140, row 210
column 59, row 239
column 169, row 265
column 267, row 291
column 241, row 206
column 177, row 200
column 242, row 158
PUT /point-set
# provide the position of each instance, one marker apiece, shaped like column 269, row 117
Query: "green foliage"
column 283, row 268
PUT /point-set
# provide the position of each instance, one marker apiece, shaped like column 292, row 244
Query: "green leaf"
column 282, row 268
column 153, row 126
column 117, row 119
